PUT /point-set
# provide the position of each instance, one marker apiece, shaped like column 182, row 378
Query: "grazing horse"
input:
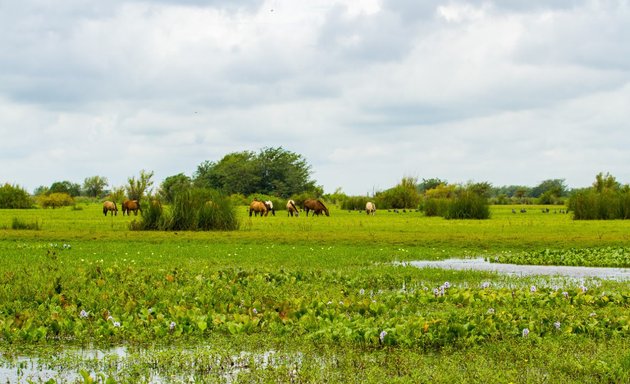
column 110, row 206
column 269, row 205
column 370, row 208
column 131, row 205
column 316, row 206
column 292, row 209
column 257, row 207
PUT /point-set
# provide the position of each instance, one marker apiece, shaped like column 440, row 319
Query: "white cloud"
column 368, row 91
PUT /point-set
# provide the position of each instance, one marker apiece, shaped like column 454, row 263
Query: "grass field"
column 317, row 299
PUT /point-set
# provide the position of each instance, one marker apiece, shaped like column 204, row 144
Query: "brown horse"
column 110, row 206
column 316, row 206
column 292, row 209
column 257, row 207
column 131, row 205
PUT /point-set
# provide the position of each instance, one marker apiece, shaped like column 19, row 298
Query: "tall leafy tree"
column 94, row 186
column 552, row 187
column 137, row 187
column 272, row 171
column 72, row 189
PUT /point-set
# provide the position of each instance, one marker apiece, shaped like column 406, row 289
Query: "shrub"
column 436, row 206
column 354, row 202
column 19, row 224
column 404, row 195
column 55, row 200
column 589, row 204
column 193, row 209
column 14, row 197
column 468, row 205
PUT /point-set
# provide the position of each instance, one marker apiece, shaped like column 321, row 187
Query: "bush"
column 354, row 202
column 19, row 224
column 436, row 206
column 55, row 200
column 14, row 197
column 404, row 195
column 193, row 209
column 589, row 204
column 468, row 205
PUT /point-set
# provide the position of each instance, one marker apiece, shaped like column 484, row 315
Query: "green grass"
column 323, row 293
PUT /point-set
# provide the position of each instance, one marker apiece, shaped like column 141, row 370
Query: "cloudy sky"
column 368, row 91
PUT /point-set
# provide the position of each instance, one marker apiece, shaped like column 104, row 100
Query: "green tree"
column 551, row 187
column 273, row 171
column 427, row 184
column 174, row 184
column 137, row 188
column 67, row 187
column 94, row 186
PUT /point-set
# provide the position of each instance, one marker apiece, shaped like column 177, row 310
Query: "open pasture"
column 307, row 299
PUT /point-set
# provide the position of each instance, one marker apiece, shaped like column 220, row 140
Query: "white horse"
column 291, row 209
column 370, row 208
column 269, row 205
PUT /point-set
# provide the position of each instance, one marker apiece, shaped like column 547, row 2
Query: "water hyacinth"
column 485, row 284
column 116, row 324
column 532, row 289
column 583, row 288
column 172, row 326
column 83, row 314
column 490, row 311
column 525, row 332
column 382, row 336
column 446, row 285
column 255, row 311
column 565, row 294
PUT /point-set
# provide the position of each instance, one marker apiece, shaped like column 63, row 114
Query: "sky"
column 508, row 92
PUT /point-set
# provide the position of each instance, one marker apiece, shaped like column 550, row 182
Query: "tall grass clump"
column 436, row 206
column 193, row 209
column 353, row 202
column 468, row 205
column 605, row 200
column 20, row 224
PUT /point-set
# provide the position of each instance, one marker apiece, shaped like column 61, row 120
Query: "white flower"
column 525, row 332
column 382, row 336
column 490, row 311
column 116, row 324
column 362, row 291
column 109, row 318
column 485, row 284
column 583, row 288
column 255, row 311
column 83, row 314
column 446, row 285
column 172, row 325
column 557, row 325
column 533, row 288
column 565, row 294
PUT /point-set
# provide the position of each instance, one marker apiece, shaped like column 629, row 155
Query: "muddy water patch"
column 480, row 264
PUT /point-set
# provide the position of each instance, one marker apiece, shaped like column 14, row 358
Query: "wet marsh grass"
column 311, row 282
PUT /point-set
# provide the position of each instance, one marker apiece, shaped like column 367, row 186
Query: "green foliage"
column 403, row 195
column 67, row 187
column 193, row 209
column 587, row 257
column 94, row 186
column 55, row 200
column 605, row 200
column 552, row 187
column 468, row 204
column 172, row 185
column 354, row 203
column 137, row 188
column 273, row 171
column 436, row 206
column 14, row 197
column 17, row 223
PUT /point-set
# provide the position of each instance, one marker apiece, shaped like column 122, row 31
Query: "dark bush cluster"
column 14, row 197
column 193, row 209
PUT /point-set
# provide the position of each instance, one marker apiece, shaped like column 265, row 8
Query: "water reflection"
column 480, row 264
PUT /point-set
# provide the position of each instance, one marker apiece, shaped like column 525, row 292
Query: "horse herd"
column 256, row 207
column 128, row 206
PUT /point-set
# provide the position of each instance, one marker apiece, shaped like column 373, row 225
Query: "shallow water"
column 480, row 264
